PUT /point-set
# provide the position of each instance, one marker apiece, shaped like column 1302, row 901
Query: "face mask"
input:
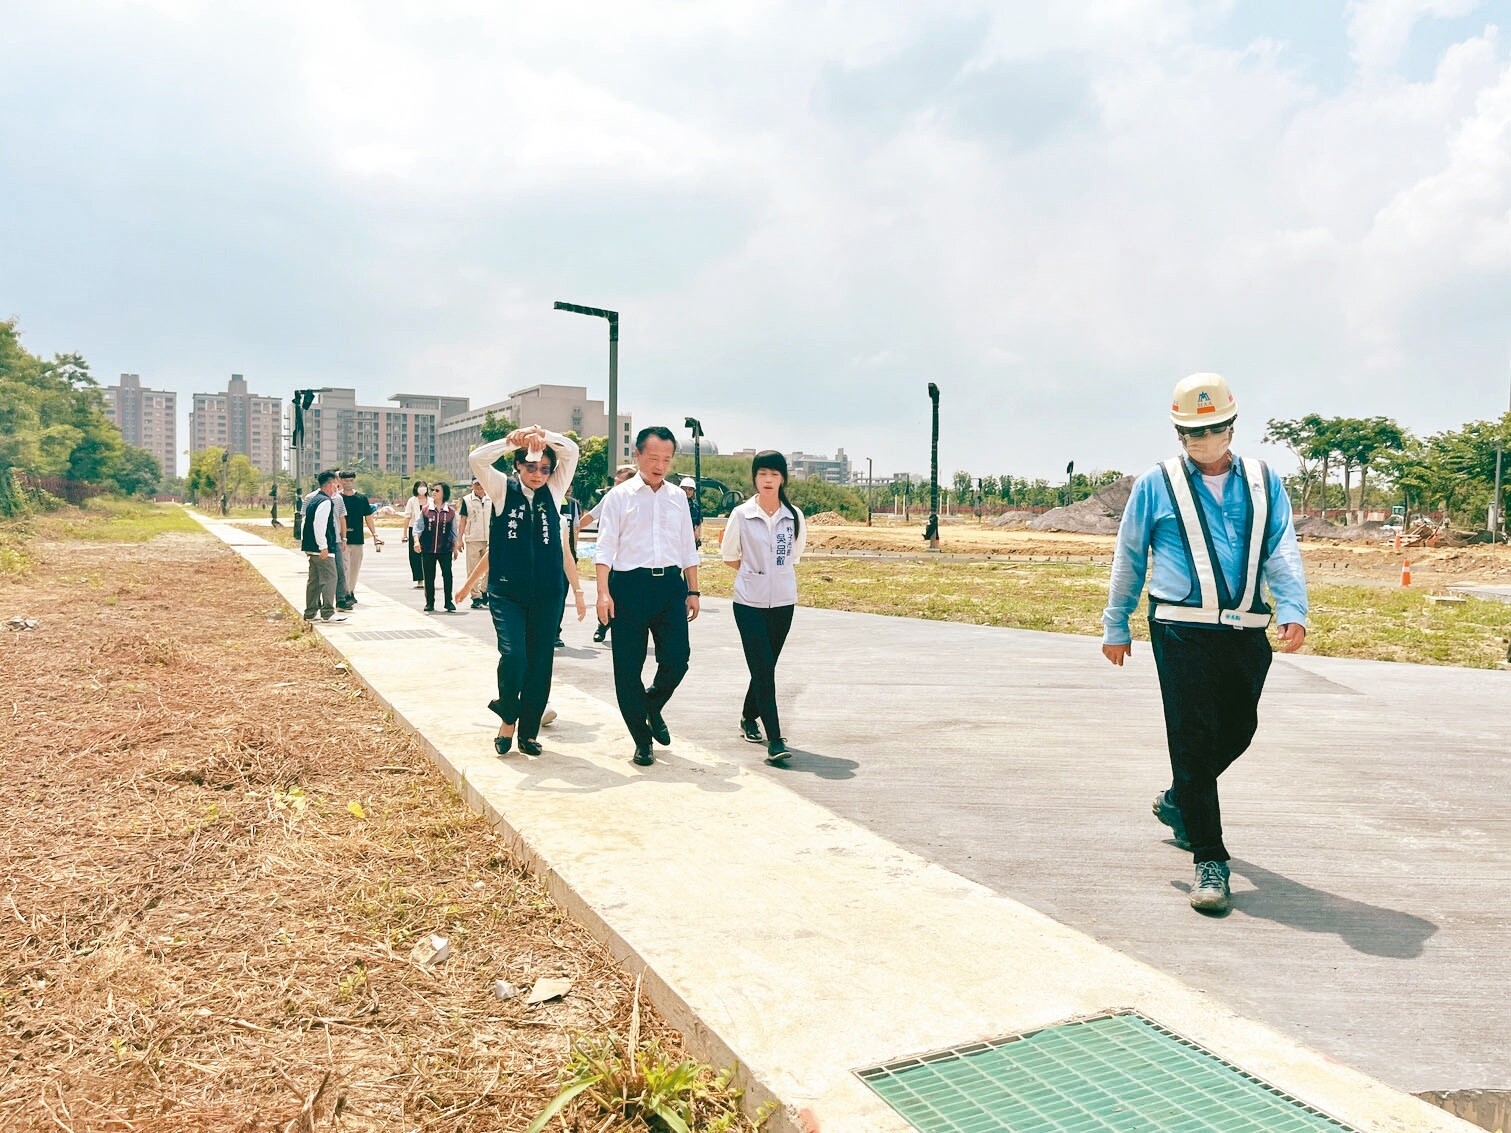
column 1208, row 449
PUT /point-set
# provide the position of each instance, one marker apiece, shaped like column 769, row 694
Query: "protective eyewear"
column 1207, row 430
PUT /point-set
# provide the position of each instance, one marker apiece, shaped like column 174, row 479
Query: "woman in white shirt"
column 763, row 542
column 414, row 509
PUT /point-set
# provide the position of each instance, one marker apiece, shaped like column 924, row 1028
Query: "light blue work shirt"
column 1150, row 525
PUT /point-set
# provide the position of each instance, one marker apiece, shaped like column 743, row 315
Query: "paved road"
column 1370, row 819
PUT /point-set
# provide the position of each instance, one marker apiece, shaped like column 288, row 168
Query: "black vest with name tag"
column 524, row 548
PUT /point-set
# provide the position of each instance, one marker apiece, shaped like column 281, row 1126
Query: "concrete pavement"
column 859, row 908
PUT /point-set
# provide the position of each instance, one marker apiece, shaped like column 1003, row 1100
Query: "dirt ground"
column 1326, row 561
column 218, row 855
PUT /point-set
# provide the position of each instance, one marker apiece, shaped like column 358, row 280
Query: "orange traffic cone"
column 1406, row 572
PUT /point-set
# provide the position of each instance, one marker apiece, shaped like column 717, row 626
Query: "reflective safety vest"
column 1211, row 604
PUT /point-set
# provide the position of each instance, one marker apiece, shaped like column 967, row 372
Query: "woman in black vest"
column 530, row 566
column 438, row 544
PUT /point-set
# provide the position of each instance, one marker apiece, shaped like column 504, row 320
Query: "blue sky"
column 804, row 212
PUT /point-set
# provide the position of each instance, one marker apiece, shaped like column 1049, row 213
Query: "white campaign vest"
column 767, row 577
column 1247, row 611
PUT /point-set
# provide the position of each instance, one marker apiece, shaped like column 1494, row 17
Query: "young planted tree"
column 1359, row 442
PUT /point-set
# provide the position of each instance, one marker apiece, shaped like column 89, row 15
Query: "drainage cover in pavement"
column 390, row 634
column 1118, row 1072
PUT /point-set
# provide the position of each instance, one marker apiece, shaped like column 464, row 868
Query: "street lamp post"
column 613, row 319
column 931, row 533
column 1070, row 483
column 1497, row 517
column 298, row 446
column 697, row 430
column 870, row 485
column 225, row 460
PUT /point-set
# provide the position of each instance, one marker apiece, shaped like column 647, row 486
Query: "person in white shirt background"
column 419, row 493
column 647, row 568
column 763, row 542
column 621, row 474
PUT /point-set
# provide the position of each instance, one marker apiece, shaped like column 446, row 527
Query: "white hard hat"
column 1202, row 400
column 689, row 482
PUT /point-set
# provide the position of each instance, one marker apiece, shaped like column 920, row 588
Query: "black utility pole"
column 931, row 533
column 1070, row 483
column 615, row 440
column 696, row 427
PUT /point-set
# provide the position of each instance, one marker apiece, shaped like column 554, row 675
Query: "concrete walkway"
column 866, row 905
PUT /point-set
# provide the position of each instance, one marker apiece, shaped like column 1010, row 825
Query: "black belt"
column 654, row 572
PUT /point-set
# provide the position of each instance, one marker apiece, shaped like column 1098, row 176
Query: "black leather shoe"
column 600, row 634
column 659, row 730
column 502, row 744
column 530, row 747
column 451, row 607
column 643, row 756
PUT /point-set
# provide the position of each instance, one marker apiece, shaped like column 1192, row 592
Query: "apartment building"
column 562, row 409
column 397, row 438
column 239, row 421
column 147, row 418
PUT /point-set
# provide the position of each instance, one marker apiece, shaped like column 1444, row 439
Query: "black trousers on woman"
column 763, row 632
column 1210, row 680
column 430, row 562
column 526, row 635
column 416, row 564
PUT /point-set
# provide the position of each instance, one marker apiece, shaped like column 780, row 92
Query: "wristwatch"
column 695, row 593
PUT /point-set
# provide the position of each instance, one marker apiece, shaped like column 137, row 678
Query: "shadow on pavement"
column 823, row 766
column 1363, row 927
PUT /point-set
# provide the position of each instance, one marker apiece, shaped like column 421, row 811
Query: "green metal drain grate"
column 1121, row 1073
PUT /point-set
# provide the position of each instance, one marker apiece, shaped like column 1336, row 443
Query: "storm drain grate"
column 391, row 634
column 1118, row 1072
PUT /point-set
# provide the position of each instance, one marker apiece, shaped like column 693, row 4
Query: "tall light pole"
column 615, row 442
column 298, row 442
column 697, row 430
column 931, row 533
column 1497, row 520
column 870, row 483
column 1070, row 483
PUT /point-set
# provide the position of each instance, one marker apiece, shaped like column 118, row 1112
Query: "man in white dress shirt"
column 647, row 566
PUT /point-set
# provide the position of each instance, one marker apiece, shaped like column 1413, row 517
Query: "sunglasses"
column 1207, row 430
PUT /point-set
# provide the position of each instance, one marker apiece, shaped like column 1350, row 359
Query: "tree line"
column 53, row 425
column 1452, row 471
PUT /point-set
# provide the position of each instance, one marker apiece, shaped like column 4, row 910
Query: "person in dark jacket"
column 438, row 544
column 530, row 567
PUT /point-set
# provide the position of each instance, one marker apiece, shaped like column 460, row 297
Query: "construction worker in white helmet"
column 1220, row 532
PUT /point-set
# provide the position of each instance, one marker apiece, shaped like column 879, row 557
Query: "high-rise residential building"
column 147, row 418
column 338, row 432
column 562, row 409
column 239, row 422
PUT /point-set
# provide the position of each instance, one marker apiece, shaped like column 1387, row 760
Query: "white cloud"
column 1378, row 30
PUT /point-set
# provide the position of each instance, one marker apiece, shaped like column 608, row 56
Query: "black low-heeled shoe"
column 502, row 744
column 530, row 747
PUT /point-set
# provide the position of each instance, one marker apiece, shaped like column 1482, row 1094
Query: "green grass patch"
column 110, row 519
column 1369, row 622
column 104, row 519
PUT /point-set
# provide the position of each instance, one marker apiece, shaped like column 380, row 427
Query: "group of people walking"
column 1217, row 528
column 646, row 561
column 331, row 533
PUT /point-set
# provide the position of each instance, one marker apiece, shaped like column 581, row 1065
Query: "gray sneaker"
column 334, row 618
column 1210, row 893
column 1166, row 811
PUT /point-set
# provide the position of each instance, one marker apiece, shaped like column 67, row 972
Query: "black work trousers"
column 1210, row 679
column 526, row 632
column 653, row 606
column 763, row 632
column 429, row 562
column 416, row 563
